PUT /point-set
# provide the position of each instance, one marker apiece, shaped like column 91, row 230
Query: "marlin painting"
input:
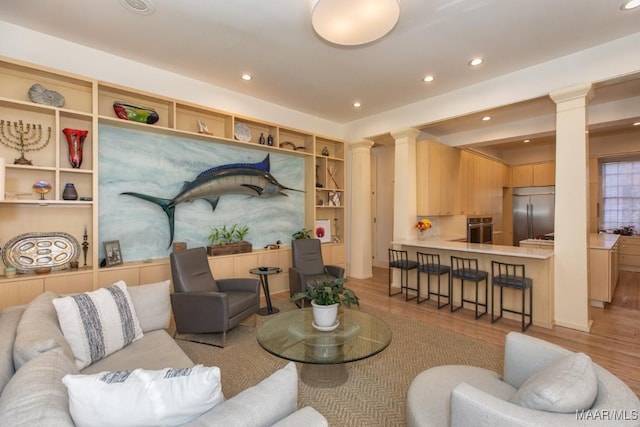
column 252, row 179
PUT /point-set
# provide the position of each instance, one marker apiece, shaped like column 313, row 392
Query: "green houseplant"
column 326, row 296
column 301, row 234
column 228, row 240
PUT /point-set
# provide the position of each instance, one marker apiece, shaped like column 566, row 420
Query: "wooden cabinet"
column 437, row 178
column 533, row 175
column 630, row 253
column 603, row 274
column 89, row 105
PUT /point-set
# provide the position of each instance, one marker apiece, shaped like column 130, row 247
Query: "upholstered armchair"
column 543, row 385
column 202, row 304
column 307, row 266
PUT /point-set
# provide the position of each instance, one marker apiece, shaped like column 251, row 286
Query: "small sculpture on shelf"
column 41, row 95
column 270, row 140
column 75, row 141
column 69, row 192
column 261, row 140
column 136, row 113
column 42, row 188
column 23, row 138
column 325, row 152
column 85, row 245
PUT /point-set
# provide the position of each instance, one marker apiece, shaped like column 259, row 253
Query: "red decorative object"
column 75, row 140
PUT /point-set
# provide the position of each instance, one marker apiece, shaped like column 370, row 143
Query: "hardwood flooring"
column 613, row 342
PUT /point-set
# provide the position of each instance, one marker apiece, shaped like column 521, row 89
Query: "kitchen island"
column 539, row 265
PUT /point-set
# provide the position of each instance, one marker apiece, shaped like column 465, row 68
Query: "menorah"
column 22, row 138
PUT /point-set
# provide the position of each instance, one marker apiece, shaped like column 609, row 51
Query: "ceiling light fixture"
column 428, row 79
column 486, row 118
column 354, row 22
column 141, row 7
column 247, row 77
column 475, row 62
column 630, row 5
column 636, row 124
column 357, row 104
column 526, row 141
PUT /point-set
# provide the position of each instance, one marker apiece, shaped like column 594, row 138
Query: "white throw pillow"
column 566, row 386
column 141, row 397
column 98, row 323
column 153, row 305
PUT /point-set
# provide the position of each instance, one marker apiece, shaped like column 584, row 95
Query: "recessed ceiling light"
column 526, row 141
column 428, row 79
column 630, row 5
column 636, row 124
column 247, row 77
column 486, row 118
column 476, row 61
column 141, row 7
column 357, row 104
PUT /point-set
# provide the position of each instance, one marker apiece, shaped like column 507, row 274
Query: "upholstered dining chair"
column 307, row 266
column 204, row 305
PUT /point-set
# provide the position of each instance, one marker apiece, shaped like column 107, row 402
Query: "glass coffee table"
column 291, row 336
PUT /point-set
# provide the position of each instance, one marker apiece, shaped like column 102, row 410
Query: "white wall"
column 384, row 157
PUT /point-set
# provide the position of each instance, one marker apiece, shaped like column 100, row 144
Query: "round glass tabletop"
column 290, row 335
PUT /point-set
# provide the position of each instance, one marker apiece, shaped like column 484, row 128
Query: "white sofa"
column 35, row 356
column 472, row 396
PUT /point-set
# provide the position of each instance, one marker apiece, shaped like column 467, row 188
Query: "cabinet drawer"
column 630, row 260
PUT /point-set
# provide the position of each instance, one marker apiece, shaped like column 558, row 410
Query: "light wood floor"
column 613, row 342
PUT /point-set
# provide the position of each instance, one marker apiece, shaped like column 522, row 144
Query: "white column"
column 571, row 277
column 360, row 233
column 404, row 186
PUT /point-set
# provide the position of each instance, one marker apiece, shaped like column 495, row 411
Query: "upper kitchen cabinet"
column 437, row 176
column 533, row 175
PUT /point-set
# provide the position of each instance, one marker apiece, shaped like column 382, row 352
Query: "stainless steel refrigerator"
column 533, row 213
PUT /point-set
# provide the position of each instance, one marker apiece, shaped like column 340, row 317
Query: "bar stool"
column 512, row 276
column 467, row 269
column 430, row 265
column 400, row 260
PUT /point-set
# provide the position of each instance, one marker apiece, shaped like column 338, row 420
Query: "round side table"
column 264, row 273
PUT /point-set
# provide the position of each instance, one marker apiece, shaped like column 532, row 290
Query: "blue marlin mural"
column 252, row 179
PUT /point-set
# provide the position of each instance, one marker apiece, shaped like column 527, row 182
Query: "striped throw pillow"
column 98, row 323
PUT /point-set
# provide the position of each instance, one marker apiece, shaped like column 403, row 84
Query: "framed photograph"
column 112, row 254
column 179, row 246
column 322, row 230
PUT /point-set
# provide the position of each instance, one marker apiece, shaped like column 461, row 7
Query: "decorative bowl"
column 42, row 270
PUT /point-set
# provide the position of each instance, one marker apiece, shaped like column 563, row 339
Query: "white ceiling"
column 217, row 41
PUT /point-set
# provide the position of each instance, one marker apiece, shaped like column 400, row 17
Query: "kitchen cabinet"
column 630, row 253
column 603, row 267
column 436, row 173
column 88, row 104
column 533, row 175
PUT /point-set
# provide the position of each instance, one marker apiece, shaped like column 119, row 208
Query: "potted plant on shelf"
column 226, row 241
column 301, row 234
column 326, row 297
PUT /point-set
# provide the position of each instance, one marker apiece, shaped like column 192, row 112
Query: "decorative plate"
column 40, row 95
column 30, row 251
column 242, row 132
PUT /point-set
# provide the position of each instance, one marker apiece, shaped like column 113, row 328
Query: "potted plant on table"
column 326, row 296
column 225, row 241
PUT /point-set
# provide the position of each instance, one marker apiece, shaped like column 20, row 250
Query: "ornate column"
column 360, row 233
column 404, row 186
column 571, row 249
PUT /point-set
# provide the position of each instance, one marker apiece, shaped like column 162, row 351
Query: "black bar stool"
column 430, row 265
column 512, row 276
column 467, row 269
column 400, row 260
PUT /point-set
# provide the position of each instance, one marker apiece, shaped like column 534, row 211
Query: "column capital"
column 405, row 133
column 573, row 93
column 363, row 143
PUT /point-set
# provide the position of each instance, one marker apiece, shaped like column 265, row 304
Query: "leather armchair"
column 202, row 304
column 308, row 267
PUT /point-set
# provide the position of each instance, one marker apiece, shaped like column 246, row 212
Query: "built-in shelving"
column 88, row 104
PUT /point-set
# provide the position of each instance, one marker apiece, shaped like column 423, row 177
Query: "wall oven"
column 480, row 229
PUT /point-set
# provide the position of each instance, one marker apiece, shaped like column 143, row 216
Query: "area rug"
column 376, row 390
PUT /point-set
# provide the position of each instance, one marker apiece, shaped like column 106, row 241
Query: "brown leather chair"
column 204, row 305
column 308, row 267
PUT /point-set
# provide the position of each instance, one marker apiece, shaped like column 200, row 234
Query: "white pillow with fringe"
column 98, row 323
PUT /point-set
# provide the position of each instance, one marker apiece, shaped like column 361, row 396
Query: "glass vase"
column 69, row 192
column 75, row 141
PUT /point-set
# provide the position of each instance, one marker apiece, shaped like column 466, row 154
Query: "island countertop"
column 441, row 242
column 602, row 241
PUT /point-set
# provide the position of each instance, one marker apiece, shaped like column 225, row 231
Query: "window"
column 621, row 194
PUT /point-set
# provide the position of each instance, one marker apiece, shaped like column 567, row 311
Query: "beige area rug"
column 375, row 392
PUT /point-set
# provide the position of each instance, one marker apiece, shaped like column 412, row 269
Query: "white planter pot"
column 324, row 316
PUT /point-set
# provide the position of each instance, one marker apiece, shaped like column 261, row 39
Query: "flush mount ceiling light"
column 486, row 118
column 353, row 22
column 357, row 104
column 428, row 79
column 247, row 77
column 141, row 7
column 475, row 62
